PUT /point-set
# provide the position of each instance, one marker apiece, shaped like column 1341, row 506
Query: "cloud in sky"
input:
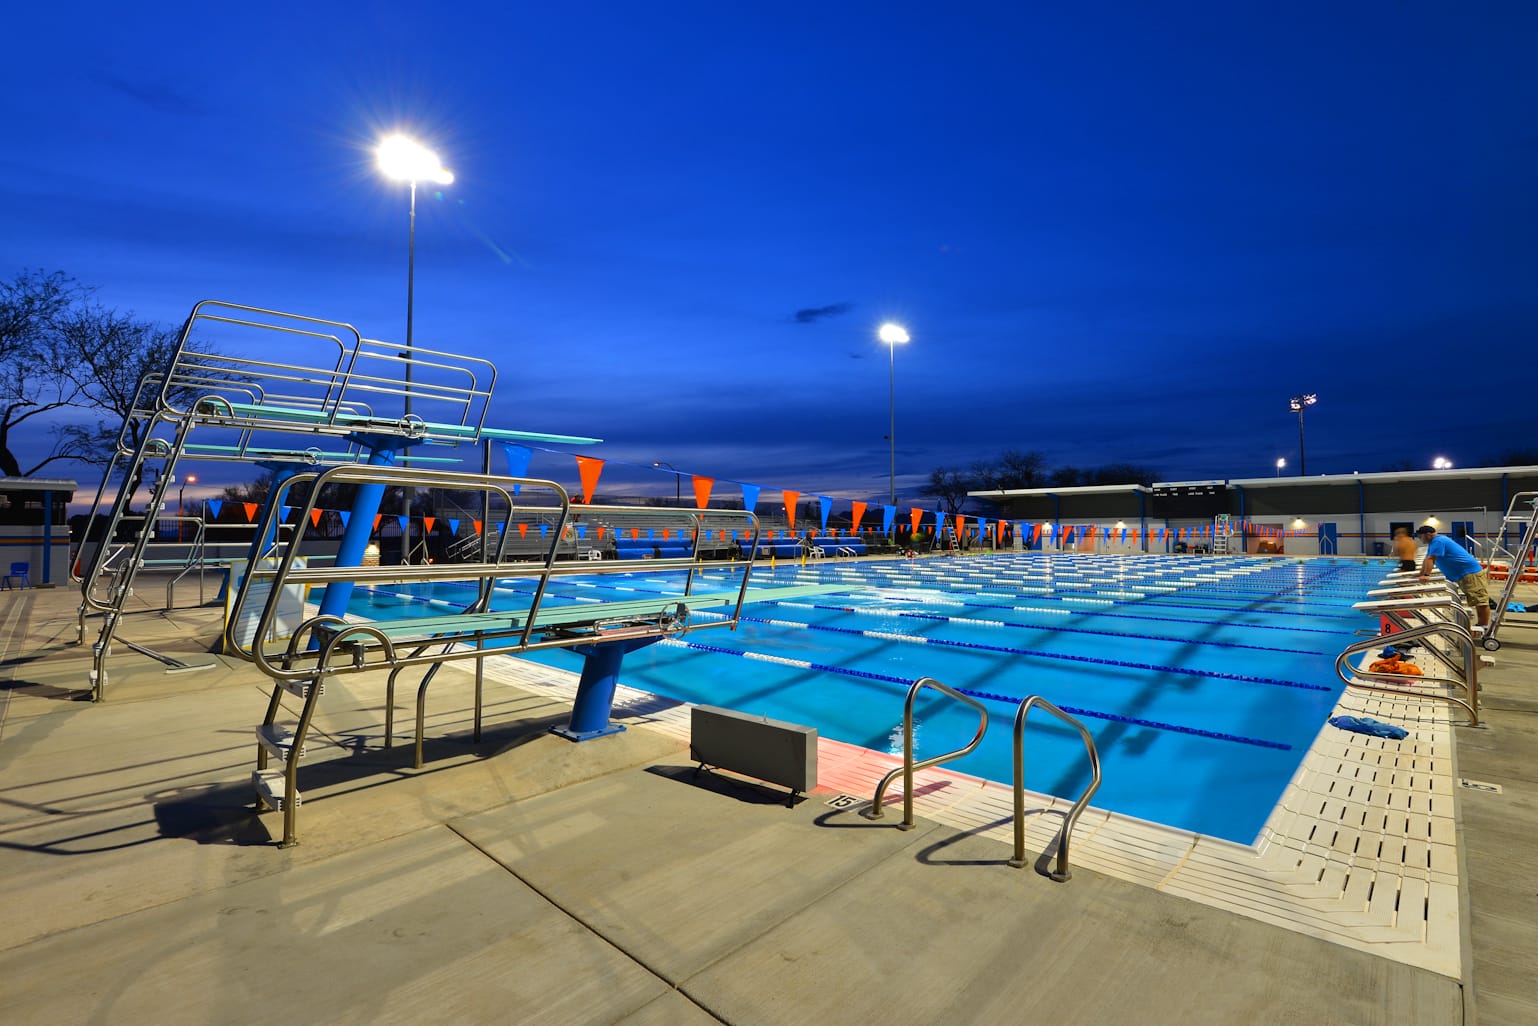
column 811, row 315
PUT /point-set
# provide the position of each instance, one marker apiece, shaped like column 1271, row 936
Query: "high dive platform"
column 331, row 413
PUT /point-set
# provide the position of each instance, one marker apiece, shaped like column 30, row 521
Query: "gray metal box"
column 755, row 746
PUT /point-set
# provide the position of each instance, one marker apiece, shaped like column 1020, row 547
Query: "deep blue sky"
column 1126, row 232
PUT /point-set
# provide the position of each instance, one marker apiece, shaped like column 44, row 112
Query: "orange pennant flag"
column 667, row 532
column 427, row 524
column 377, row 518
column 250, row 511
column 478, row 526
column 916, row 515
column 523, row 530
column 960, row 524
column 702, row 487
column 588, row 468
column 858, row 508
column 791, row 498
column 315, row 518
column 600, row 532
column 635, row 532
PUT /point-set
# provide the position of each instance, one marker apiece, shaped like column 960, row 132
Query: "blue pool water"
column 1202, row 681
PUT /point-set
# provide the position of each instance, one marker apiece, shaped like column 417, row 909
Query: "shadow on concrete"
column 212, row 814
column 716, row 782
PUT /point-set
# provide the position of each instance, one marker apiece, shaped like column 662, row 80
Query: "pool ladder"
column 906, row 770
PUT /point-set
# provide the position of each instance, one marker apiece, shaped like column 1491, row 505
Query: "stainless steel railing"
column 1062, row 872
column 907, row 769
column 1369, row 681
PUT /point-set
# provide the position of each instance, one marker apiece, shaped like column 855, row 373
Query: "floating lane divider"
column 980, row 622
column 803, row 664
column 1155, row 619
column 978, row 646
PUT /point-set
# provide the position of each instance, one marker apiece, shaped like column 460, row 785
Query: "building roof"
column 37, row 484
column 1389, row 477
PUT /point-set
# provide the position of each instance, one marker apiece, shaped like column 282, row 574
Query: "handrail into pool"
column 1358, row 678
column 1062, row 872
column 908, row 767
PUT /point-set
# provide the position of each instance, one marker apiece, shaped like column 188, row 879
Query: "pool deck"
column 528, row 879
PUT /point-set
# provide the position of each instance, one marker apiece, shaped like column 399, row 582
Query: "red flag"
column 315, row 518
column 588, row 468
column 427, row 524
column 250, row 511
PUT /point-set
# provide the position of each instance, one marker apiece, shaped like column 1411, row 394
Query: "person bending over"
column 1458, row 567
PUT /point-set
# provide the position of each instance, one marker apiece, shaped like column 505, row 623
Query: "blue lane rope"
column 989, row 696
column 1153, row 667
column 1055, row 628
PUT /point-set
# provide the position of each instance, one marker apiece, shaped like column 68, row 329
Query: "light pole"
column 1280, row 463
column 678, row 478
column 181, row 495
column 405, row 160
column 893, row 335
column 1296, row 404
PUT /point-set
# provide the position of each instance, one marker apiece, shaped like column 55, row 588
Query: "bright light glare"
column 1280, row 464
column 892, row 334
column 1441, row 463
column 1297, row 402
column 407, row 160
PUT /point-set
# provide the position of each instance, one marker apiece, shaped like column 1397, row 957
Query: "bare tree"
column 109, row 354
column 950, row 485
column 35, row 376
column 60, row 351
column 1014, row 469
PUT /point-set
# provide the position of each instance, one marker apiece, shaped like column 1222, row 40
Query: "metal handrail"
column 1460, row 635
column 908, row 767
column 1062, row 872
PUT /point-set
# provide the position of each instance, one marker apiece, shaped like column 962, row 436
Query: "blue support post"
column 360, row 525
column 595, row 689
column 46, row 577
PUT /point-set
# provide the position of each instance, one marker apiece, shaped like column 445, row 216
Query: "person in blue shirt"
column 1459, row 567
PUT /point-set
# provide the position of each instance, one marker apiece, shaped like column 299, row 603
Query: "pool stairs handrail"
column 1062, row 872
column 909, row 767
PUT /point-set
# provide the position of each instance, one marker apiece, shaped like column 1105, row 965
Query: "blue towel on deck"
column 1366, row 725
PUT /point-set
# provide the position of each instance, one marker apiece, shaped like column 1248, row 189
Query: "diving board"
column 328, row 648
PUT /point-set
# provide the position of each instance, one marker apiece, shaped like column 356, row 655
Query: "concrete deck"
column 528, row 879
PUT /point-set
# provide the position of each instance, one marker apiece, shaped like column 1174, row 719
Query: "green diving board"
column 318, row 417
column 302, row 455
column 448, row 626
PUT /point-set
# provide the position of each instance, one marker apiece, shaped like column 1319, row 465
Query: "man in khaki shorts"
column 1458, row 567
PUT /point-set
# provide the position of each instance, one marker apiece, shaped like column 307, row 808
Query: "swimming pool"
column 1203, row 681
